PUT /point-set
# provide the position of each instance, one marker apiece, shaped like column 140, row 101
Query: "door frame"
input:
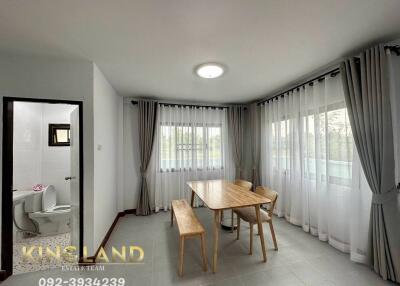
column 7, row 177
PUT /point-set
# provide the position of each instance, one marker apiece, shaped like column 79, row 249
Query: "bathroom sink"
column 19, row 195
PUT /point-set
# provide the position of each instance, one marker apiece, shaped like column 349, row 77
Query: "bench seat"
column 188, row 226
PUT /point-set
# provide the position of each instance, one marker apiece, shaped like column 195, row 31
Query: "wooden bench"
column 188, row 226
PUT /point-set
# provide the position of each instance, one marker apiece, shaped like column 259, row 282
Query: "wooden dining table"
column 219, row 195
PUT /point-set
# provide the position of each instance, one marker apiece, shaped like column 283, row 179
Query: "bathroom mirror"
column 59, row 135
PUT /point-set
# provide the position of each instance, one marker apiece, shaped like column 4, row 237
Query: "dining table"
column 219, row 195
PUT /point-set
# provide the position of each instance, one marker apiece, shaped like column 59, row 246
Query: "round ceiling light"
column 210, row 70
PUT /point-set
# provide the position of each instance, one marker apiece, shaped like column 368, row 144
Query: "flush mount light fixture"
column 210, row 70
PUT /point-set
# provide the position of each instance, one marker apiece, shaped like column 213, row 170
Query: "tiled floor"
column 301, row 259
column 21, row 266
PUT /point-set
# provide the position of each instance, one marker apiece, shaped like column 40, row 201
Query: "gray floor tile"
column 301, row 259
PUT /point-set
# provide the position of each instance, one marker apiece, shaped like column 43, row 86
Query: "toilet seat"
column 60, row 208
column 57, row 210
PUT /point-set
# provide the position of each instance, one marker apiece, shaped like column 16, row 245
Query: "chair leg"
column 203, row 251
column 271, row 226
column 232, row 220
column 181, row 249
column 238, row 228
column 251, row 239
column 260, row 231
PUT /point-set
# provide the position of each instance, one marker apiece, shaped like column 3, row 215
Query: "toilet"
column 49, row 218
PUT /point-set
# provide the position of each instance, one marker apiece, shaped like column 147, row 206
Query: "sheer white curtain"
column 191, row 144
column 307, row 157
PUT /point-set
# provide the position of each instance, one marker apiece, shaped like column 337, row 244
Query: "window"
column 59, row 135
column 190, row 147
column 281, row 144
column 331, row 147
column 340, row 147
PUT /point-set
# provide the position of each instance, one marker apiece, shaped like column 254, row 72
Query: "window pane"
column 184, row 146
column 214, row 147
column 340, row 145
column 309, row 147
column 281, row 144
column 198, row 148
column 284, row 146
column 326, row 145
column 62, row 136
column 167, row 147
column 187, row 147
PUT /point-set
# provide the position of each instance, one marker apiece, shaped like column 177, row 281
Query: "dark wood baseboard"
column 108, row 234
column 129, row 211
column 3, row 275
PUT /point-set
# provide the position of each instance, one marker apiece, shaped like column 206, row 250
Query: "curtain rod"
column 134, row 102
column 395, row 49
column 321, row 77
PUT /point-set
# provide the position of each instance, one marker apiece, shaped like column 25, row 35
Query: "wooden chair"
column 248, row 214
column 188, row 226
column 244, row 184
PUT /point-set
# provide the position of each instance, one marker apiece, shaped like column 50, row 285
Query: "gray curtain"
column 366, row 89
column 147, row 126
column 255, row 131
column 236, row 117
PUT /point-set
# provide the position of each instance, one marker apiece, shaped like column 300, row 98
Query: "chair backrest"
column 244, row 184
column 270, row 194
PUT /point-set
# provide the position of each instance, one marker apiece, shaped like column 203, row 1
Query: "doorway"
column 42, row 179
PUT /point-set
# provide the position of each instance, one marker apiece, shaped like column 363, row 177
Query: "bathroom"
column 42, row 182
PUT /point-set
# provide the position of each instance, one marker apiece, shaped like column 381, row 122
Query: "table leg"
column 192, row 199
column 217, row 214
column 260, row 231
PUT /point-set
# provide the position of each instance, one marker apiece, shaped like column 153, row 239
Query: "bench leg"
column 192, row 199
column 232, row 220
column 251, row 239
column 238, row 227
column 203, row 251
column 181, row 249
column 172, row 216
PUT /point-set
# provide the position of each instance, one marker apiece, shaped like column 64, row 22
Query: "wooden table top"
column 221, row 194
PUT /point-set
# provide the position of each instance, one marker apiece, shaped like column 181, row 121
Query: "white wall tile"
column 34, row 161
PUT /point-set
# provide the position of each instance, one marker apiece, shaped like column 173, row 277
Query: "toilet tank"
column 33, row 202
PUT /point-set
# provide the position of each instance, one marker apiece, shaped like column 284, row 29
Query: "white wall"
column 48, row 78
column 34, row 160
column 56, row 159
column 107, row 109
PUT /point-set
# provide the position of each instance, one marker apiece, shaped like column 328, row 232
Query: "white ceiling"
column 150, row 47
